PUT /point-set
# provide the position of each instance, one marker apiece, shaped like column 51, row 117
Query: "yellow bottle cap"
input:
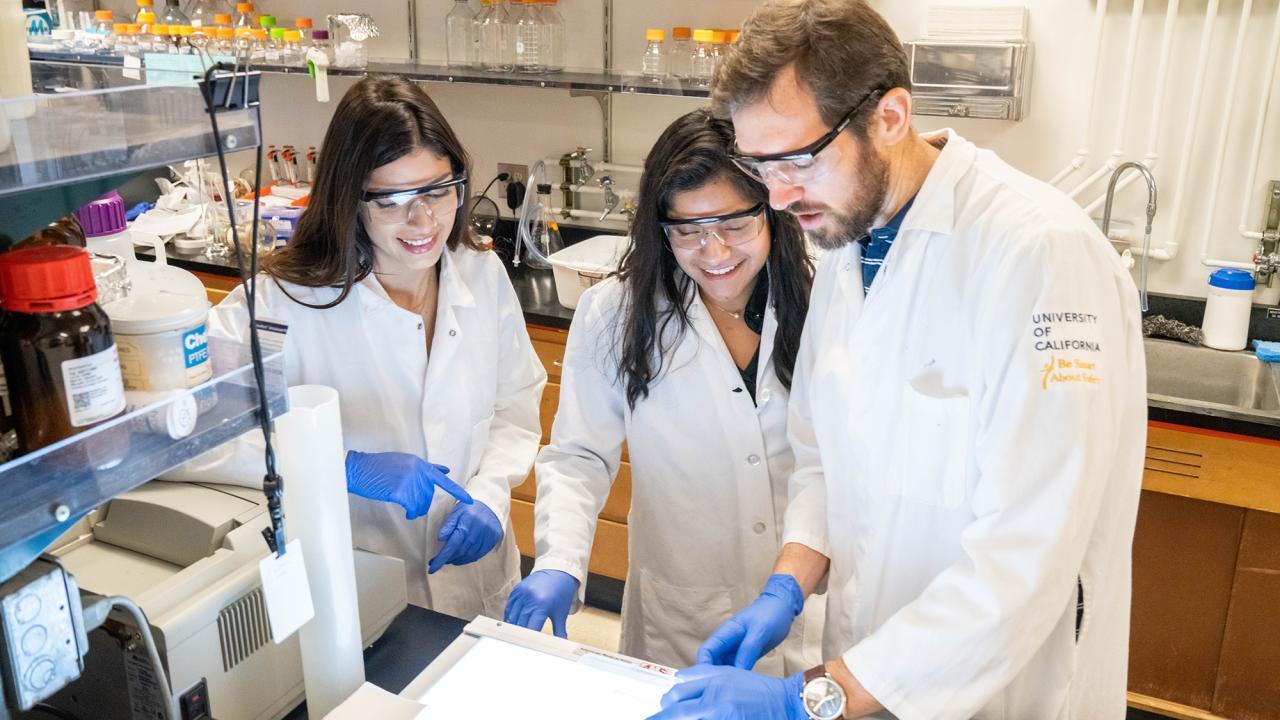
column 146, row 18
column 133, row 28
column 160, row 29
column 653, row 35
column 186, row 30
column 146, row 3
column 704, row 36
column 292, row 36
column 120, row 28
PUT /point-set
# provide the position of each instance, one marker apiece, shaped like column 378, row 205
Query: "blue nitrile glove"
column 469, row 533
column 545, row 594
column 758, row 628
column 706, row 692
column 401, row 478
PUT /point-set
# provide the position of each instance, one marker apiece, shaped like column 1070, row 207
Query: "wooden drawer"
column 616, row 506
column 217, row 287
column 549, row 345
column 547, row 409
column 608, row 552
column 1213, row 466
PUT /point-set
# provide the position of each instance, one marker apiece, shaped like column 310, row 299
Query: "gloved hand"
column 401, row 478
column 469, row 533
column 544, row 594
column 705, row 692
column 758, row 628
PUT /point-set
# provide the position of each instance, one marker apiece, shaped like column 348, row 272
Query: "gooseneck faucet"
column 1151, row 214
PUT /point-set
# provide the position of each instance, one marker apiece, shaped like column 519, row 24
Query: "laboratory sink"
column 1211, row 381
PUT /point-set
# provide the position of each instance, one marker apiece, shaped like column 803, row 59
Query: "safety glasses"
column 397, row 207
column 796, row 167
column 731, row 229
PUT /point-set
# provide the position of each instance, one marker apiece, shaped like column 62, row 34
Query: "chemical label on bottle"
column 94, row 389
column 195, row 347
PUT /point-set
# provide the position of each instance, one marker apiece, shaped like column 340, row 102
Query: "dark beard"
column 856, row 222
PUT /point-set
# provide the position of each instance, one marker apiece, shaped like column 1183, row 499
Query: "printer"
column 188, row 554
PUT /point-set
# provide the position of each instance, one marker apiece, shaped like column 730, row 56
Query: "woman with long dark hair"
column 686, row 356
column 392, row 300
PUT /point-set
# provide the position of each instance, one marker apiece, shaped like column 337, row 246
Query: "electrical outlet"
column 517, row 173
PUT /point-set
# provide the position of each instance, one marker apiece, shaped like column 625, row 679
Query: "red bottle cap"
column 56, row 278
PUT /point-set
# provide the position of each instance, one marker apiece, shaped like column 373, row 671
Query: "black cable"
column 273, row 484
column 59, row 713
column 500, row 176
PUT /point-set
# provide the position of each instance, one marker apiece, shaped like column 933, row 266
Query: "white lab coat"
column 708, row 483
column 472, row 408
column 969, row 440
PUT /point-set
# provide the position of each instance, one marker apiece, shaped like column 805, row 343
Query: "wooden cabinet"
column 1205, row 635
column 609, row 552
column 217, row 287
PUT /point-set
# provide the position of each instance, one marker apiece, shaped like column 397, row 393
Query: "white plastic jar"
column 161, row 337
column 1226, row 310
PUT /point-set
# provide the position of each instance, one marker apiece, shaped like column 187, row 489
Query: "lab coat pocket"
column 678, row 619
column 930, row 453
column 479, row 443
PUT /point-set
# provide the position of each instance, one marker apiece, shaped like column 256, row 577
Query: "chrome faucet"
column 611, row 198
column 1151, row 214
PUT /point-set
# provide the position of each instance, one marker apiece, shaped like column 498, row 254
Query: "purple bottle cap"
column 104, row 216
column 319, row 34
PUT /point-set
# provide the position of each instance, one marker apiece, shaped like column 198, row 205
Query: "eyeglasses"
column 796, row 167
column 397, row 207
column 732, row 229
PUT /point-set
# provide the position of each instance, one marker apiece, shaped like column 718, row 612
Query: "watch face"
column 823, row 699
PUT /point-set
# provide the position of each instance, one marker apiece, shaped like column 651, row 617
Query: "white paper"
column 165, row 223
column 501, row 679
column 370, row 701
column 286, row 591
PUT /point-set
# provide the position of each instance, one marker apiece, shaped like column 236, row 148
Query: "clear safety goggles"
column 732, row 229
column 398, row 207
column 797, row 167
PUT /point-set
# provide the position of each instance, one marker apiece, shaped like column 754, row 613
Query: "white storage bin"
column 584, row 264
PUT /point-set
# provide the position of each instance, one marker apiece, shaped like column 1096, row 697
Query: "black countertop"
column 415, row 638
column 536, row 289
column 537, row 293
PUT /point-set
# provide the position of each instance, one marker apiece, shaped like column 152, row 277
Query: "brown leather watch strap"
column 814, row 673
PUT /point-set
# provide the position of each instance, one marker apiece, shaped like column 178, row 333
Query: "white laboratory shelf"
column 69, row 478
column 62, row 138
column 581, row 80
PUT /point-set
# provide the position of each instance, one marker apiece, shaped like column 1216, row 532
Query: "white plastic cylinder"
column 15, row 65
column 1226, row 310
column 311, row 461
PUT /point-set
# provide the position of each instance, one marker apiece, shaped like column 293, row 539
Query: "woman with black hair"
column 686, row 355
column 391, row 299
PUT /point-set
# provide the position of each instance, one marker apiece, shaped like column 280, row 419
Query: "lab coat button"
column 419, row 326
column 759, row 528
column 765, row 395
column 753, row 459
column 453, row 333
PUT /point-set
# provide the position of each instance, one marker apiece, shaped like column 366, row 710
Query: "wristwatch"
column 822, row 697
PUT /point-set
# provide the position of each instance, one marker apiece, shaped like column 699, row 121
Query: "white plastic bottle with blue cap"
column 1226, row 311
